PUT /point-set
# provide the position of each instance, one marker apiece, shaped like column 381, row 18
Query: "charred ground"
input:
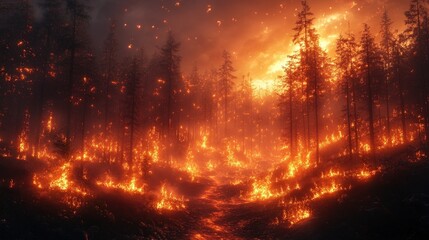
column 393, row 204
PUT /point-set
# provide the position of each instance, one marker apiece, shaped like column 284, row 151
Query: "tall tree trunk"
column 226, row 108
column 349, row 128
column 389, row 137
column 132, row 126
column 107, row 131
column 316, row 106
column 41, row 100
column 71, row 81
column 402, row 105
column 355, row 117
column 307, row 114
column 370, row 106
column 292, row 145
column 85, row 104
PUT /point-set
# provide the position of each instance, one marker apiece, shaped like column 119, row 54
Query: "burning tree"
column 226, row 83
column 417, row 35
column 172, row 89
column 312, row 66
column 370, row 75
column 132, row 115
column 76, row 26
column 348, row 70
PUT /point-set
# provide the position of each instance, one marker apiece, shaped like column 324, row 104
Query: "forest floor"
column 393, row 204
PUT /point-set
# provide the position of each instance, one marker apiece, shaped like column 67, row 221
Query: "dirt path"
column 213, row 206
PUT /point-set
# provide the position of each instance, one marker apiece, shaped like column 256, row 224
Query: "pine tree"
column 49, row 54
column 346, row 51
column 226, row 84
column 170, row 71
column 398, row 77
column 207, row 97
column 288, row 100
column 418, row 51
column 132, row 117
column 314, row 69
column 304, row 30
column 109, row 75
column 371, row 67
column 17, row 67
column 387, row 57
column 244, row 108
column 78, row 18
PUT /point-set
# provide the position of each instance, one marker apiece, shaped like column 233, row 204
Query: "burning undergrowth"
column 70, row 209
column 98, row 199
column 340, row 204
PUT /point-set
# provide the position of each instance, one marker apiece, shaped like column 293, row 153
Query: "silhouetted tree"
column 314, row 66
column 304, row 30
column 399, row 69
column 109, row 75
column 132, row 114
column 417, row 34
column 50, row 52
column 244, row 109
column 387, row 58
column 346, row 51
column 370, row 67
column 78, row 18
column 170, row 71
column 17, row 66
column 226, row 84
column 288, row 100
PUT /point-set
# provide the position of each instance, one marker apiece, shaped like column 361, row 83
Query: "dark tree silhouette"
column 417, row 33
column 109, row 75
column 132, row 116
column 226, row 84
column 346, row 51
column 288, row 100
column 78, row 19
column 370, row 67
column 314, row 68
column 304, row 30
column 170, row 71
column 387, row 58
column 49, row 48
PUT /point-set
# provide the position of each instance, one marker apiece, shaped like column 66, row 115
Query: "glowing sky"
column 257, row 32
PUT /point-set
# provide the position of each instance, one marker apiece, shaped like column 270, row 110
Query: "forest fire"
column 296, row 214
column 168, row 201
column 283, row 132
column 58, row 179
column 132, row 186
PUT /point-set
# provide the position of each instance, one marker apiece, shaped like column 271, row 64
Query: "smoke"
column 253, row 31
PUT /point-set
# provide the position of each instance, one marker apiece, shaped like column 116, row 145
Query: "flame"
column 62, row 182
column 296, row 213
column 37, row 182
column 23, row 145
column 333, row 173
column 130, row 186
column 190, row 166
column 334, row 187
column 262, row 88
column 168, row 201
column 204, row 142
column 365, row 173
column 261, row 190
column 231, row 160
